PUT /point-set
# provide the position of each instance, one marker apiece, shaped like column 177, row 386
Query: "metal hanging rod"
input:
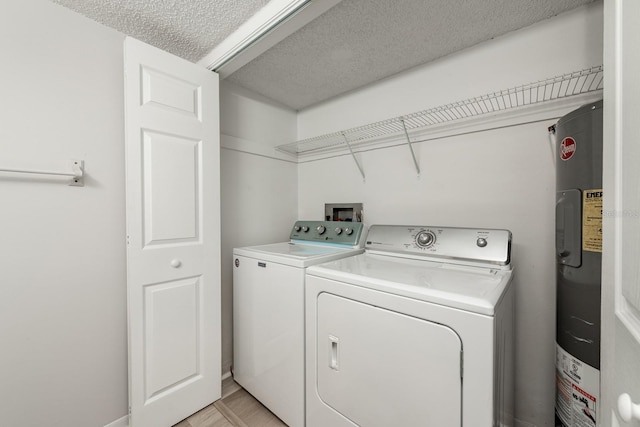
column 76, row 174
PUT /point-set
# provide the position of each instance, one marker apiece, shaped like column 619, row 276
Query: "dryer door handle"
column 333, row 353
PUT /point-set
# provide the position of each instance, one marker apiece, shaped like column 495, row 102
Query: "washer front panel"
column 268, row 353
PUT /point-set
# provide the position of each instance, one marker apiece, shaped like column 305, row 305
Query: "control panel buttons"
column 296, row 228
column 321, row 229
column 425, row 239
column 338, row 230
column 348, row 231
column 481, row 242
column 305, row 228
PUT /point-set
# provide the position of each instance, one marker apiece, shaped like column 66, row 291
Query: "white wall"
column 62, row 274
column 63, row 270
column 63, row 357
column 259, row 194
column 500, row 178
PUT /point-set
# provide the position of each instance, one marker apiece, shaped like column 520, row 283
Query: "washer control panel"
column 335, row 232
column 476, row 246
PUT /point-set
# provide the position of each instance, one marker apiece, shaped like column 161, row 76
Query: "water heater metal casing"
column 579, row 263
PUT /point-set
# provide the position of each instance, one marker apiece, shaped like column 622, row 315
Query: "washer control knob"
column 338, row 230
column 321, row 229
column 305, row 228
column 296, row 228
column 481, row 242
column 425, row 239
column 348, row 231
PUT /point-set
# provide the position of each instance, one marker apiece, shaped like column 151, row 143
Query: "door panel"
column 173, row 234
column 379, row 368
column 171, row 334
column 621, row 269
column 166, row 91
column 171, row 178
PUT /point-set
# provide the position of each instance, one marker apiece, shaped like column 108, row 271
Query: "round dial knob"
column 424, row 239
column 481, row 242
column 349, row 231
column 296, row 228
column 305, row 228
column 321, row 229
column 338, row 230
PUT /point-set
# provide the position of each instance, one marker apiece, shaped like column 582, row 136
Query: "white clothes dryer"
column 416, row 331
column 268, row 311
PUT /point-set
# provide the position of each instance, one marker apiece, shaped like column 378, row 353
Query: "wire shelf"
column 567, row 85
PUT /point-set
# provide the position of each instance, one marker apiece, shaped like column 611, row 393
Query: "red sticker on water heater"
column 567, row 148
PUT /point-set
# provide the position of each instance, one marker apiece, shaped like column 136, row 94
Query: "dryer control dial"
column 425, row 239
column 338, row 230
column 321, row 229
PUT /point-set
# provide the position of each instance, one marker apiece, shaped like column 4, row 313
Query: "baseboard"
column 124, row 421
column 120, row 422
column 520, row 423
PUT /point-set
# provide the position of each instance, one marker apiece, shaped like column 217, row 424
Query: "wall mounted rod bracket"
column 413, row 154
column 78, row 173
column 353, row 155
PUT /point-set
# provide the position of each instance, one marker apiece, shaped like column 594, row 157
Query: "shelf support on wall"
column 346, row 141
column 413, row 154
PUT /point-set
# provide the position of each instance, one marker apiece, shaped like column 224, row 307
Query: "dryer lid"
column 475, row 289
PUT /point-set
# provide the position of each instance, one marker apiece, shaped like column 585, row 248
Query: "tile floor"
column 237, row 408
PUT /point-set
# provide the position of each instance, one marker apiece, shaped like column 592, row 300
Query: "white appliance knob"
column 425, row 239
column 321, row 229
column 627, row 409
column 305, row 228
column 338, row 230
column 481, row 242
column 349, row 231
column 296, row 228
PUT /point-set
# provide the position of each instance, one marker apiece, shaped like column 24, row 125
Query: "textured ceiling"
column 186, row 28
column 359, row 42
column 355, row 43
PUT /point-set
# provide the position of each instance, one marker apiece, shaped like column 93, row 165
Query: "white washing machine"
column 268, row 311
column 416, row 331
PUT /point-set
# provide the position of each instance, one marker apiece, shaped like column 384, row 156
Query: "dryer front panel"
column 380, row 368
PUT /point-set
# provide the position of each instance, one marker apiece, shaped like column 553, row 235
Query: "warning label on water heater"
column 592, row 220
column 577, row 390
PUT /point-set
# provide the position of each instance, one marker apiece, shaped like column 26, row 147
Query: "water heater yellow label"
column 592, row 220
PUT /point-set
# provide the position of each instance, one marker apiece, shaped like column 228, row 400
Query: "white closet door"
column 621, row 269
column 173, row 228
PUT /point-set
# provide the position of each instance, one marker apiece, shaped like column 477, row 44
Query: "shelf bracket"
column 346, row 141
column 413, row 154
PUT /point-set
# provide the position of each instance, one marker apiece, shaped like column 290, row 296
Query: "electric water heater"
column 578, row 137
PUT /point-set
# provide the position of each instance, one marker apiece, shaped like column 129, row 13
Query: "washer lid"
column 474, row 289
column 296, row 254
